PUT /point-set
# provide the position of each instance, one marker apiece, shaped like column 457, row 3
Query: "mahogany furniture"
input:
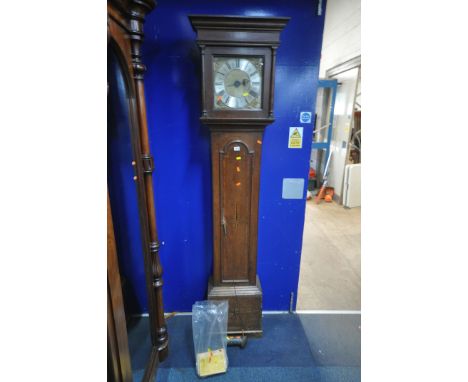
column 118, row 368
column 238, row 69
column 125, row 20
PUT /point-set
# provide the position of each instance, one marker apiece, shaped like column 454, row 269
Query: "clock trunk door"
column 236, row 164
column 236, row 183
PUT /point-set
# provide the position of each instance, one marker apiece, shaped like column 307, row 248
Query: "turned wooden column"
column 137, row 16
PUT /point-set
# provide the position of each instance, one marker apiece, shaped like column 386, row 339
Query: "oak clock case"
column 238, row 57
column 127, row 124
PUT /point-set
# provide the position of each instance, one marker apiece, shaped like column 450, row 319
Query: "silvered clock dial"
column 238, row 82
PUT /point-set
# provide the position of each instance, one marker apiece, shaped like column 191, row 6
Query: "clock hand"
column 237, row 83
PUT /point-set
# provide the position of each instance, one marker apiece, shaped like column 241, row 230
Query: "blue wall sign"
column 306, row 117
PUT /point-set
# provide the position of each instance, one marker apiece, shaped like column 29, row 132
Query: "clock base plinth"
column 245, row 306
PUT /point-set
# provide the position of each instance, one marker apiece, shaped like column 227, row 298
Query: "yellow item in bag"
column 211, row 362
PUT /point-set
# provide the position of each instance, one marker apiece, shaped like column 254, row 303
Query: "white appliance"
column 352, row 186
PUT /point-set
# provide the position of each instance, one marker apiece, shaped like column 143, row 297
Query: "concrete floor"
column 330, row 273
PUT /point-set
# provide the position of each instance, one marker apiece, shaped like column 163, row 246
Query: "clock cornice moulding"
column 238, row 22
column 266, row 29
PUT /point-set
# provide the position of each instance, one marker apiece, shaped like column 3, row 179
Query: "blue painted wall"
column 180, row 145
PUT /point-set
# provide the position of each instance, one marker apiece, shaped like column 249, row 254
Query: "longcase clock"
column 238, row 65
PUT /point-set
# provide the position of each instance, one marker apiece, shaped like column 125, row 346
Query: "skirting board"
column 267, row 312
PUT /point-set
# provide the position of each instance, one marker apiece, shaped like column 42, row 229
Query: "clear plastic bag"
column 209, row 325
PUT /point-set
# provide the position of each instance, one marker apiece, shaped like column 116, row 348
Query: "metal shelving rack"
column 322, row 135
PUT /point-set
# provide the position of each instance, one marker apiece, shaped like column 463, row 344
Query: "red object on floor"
column 329, row 191
column 325, row 193
column 311, row 173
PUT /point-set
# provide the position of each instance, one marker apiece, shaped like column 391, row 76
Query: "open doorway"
column 330, row 271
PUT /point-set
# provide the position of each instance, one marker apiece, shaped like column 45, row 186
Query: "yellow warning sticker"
column 295, row 137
